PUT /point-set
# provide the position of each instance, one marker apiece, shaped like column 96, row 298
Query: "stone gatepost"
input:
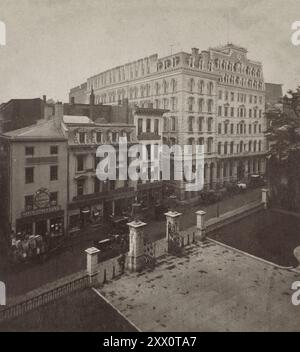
column 173, row 224
column 92, row 263
column 136, row 259
column 200, row 225
column 265, row 197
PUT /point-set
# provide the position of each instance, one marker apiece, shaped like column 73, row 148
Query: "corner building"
column 215, row 97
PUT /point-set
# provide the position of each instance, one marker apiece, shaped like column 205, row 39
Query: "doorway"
column 41, row 227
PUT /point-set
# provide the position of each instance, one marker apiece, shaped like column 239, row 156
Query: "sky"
column 53, row 45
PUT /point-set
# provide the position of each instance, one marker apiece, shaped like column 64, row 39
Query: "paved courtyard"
column 210, row 288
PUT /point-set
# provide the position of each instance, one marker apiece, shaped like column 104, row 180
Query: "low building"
column 33, row 180
column 48, row 175
column 19, row 113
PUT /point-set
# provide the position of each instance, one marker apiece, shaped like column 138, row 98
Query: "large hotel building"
column 215, row 97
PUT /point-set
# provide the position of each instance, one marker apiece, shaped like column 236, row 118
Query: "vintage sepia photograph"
column 149, row 167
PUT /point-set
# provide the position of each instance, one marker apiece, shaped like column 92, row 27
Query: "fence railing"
column 47, row 295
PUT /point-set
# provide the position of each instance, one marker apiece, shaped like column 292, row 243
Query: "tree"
column 283, row 157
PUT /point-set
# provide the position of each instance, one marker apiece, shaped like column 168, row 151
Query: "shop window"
column 29, row 175
column 56, row 227
column 53, row 172
column 29, row 151
column 53, row 149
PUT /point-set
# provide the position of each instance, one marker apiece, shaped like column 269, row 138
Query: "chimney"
column 195, row 51
column 44, row 98
column 58, row 114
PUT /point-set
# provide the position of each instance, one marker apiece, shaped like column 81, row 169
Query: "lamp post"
column 172, row 203
column 136, row 210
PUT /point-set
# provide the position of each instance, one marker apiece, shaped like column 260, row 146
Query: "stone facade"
column 215, row 97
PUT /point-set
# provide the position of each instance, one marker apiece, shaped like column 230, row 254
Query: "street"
column 23, row 278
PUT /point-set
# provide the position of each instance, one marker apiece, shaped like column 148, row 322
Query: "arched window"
column 166, row 124
column 225, row 147
column 201, row 141
column 165, row 87
column 209, row 124
column 219, row 148
column 191, row 84
column 209, row 145
column 173, row 85
column 157, row 88
column 241, row 146
column 254, row 146
column 209, row 106
column 190, row 104
column 173, row 123
column 210, row 88
column 250, row 146
column 200, row 105
column 201, row 87
column 231, row 147
column 190, row 123
column 200, row 123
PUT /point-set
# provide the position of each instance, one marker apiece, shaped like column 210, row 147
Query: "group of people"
column 27, row 246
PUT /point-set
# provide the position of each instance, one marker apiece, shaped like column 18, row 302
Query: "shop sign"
column 40, row 211
column 42, row 198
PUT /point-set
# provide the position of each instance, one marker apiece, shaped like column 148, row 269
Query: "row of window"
column 227, row 168
column 84, row 137
column 228, row 148
column 145, row 90
column 241, row 111
column 241, row 81
column 29, row 151
column 149, row 128
column 200, row 88
column 200, row 120
column 99, row 186
column 240, row 97
column 237, row 67
column 201, row 104
column 241, row 128
column 120, row 74
column 165, row 103
column 29, row 174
